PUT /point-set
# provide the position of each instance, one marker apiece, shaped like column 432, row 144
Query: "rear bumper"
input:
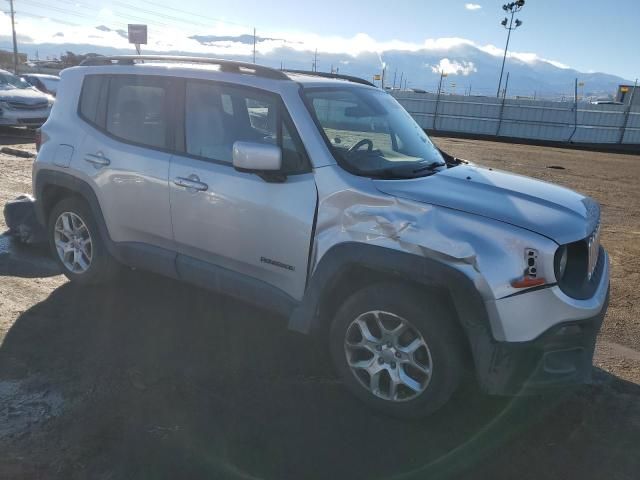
column 561, row 357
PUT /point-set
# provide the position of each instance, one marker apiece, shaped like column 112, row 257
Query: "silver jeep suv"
column 318, row 197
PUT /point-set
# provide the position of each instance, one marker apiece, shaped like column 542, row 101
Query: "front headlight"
column 562, row 256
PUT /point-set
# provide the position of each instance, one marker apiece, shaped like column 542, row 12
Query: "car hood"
column 556, row 212
column 29, row 96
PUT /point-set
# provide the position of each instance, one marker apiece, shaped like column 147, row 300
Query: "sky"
column 588, row 35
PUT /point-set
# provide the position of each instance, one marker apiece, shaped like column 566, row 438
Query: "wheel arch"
column 51, row 186
column 350, row 266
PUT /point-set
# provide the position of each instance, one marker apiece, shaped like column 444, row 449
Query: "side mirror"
column 257, row 157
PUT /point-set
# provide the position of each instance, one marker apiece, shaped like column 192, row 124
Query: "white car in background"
column 43, row 82
column 21, row 104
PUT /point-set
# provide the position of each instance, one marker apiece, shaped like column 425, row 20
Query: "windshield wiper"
column 430, row 168
column 406, row 171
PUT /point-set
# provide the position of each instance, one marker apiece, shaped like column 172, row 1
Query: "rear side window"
column 136, row 110
column 50, row 84
column 218, row 115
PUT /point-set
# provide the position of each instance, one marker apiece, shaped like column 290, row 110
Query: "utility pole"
column 254, row 45
column 512, row 8
column 395, row 74
column 401, row 75
column 504, row 99
column 314, row 67
column 15, row 43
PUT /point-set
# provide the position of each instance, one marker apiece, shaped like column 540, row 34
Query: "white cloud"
column 36, row 31
column 472, row 6
column 556, row 64
column 454, row 68
column 526, row 57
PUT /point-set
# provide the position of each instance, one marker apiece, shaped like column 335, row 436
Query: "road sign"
column 624, row 89
column 581, row 84
column 377, row 77
column 137, row 34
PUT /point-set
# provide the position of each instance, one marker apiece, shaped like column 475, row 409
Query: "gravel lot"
column 150, row 378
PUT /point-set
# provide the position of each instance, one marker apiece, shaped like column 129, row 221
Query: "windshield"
column 8, row 80
column 371, row 134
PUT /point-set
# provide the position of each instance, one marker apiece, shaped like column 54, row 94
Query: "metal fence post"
column 575, row 108
column 435, row 112
column 504, row 98
column 627, row 112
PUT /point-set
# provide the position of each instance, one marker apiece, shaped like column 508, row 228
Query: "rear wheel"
column 396, row 350
column 76, row 243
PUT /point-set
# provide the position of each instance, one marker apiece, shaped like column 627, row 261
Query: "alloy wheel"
column 388, row 356
column 73, row 242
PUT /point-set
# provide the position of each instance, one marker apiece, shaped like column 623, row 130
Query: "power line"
column 127, row 12
column 67, row 11
column 198, row 15
column 20, row 13
column 44, row 6
column 158, row 14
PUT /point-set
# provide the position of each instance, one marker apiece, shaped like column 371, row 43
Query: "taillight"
column 41, row 139
column 38, row 139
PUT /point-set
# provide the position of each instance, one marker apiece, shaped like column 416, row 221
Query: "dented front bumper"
column 561, row 357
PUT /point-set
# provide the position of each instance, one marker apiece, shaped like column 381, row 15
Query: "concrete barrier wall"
column 527, row 119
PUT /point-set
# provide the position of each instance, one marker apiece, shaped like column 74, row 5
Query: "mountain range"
column 469, row 68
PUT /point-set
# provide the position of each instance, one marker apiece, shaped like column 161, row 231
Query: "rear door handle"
column 98, row 160
column 191, row 183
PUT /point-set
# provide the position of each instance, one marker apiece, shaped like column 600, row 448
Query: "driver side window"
column 217, row 116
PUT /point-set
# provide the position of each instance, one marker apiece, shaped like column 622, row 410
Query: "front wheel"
column 397, row 350
column 76, row 243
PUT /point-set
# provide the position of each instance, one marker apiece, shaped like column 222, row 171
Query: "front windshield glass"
column 8, row 80
column 371, row 134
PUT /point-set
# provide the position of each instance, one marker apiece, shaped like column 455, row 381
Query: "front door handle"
column 97, row 160
column 192, row 182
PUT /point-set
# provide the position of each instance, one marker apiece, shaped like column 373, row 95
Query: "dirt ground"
column 150, row 378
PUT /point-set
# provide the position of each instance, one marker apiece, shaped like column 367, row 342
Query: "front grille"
column 28, row 106
column 579, row 281
column 32, row 121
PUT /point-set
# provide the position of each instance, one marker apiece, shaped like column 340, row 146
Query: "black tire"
column 102, row 266
column 427, row 315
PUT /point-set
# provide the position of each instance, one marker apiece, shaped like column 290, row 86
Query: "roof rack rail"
column 337, row 76
column 225, row 65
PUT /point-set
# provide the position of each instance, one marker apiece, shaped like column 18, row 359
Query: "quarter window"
column 90, row 97
column 136, row 110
